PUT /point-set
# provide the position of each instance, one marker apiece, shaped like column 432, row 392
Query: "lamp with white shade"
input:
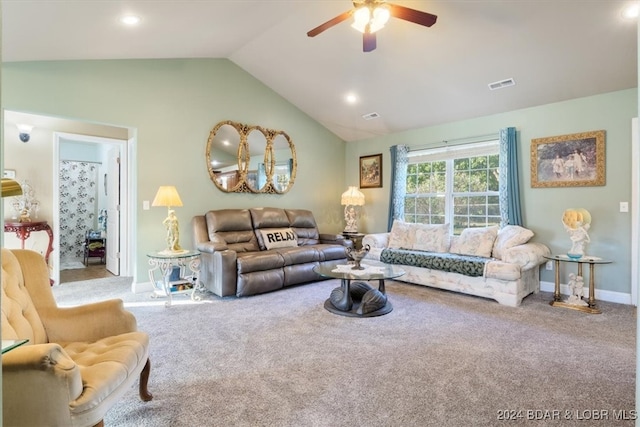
column 168, row 196
column 351, row 199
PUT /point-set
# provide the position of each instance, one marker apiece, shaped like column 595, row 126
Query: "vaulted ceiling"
column 554, row 50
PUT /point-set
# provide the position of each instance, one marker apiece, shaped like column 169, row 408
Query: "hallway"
column 93, row 271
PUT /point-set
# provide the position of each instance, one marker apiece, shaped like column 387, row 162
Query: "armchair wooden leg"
column 144, row 380
column 100, row 424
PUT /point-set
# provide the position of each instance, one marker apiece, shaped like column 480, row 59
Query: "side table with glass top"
column 8, row 345
column 591, row 301
column 188, row 280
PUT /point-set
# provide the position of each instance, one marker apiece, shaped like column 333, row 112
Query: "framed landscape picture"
column 371, row 171
column 575, row 160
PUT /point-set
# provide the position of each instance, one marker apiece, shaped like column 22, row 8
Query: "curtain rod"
column 80, row 161
column 457, row 141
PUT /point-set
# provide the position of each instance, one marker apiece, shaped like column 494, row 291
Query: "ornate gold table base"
column 591, row 301
column 585, row 308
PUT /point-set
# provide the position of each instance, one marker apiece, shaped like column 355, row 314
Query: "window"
column 455, row 185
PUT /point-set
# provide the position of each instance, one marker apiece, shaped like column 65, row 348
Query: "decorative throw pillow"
column 431, row 237
column 279, row 238
column 510, row 236
column 475, row 241
column 401, row 236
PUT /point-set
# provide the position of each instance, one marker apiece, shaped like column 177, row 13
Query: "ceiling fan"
column 371, row 15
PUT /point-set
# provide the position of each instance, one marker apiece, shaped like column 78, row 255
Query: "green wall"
column 171, row 105
column 542, row 207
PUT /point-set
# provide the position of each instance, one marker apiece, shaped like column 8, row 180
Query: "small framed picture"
column 371, row 171
column 575, row 160
column 9, row 173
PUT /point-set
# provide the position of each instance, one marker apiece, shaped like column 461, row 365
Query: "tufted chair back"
column 19, row 316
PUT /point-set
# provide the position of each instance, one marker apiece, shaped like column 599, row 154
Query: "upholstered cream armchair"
column 78, row 360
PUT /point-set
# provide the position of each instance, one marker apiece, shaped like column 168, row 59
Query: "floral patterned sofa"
column 501, row 264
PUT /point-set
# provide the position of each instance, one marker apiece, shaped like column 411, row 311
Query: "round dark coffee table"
column 358, row 298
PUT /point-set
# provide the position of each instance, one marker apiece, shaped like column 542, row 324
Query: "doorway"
column 37, row 161
column 89, row 206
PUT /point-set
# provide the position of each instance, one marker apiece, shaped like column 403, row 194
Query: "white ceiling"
column 554, row 50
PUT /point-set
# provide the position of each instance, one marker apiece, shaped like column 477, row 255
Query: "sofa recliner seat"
column 251, row 251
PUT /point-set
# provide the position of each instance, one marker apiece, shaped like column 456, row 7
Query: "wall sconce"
column 25, row 132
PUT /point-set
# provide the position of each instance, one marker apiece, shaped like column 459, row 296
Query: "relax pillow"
column 400, row 236
column 279, row 238
column 510, row 236
column 430, row 237
column 475, row 241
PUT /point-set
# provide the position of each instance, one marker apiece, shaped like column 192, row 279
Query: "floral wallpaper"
column 78, row 206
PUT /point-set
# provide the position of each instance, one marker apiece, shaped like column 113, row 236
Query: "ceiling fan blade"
column 368, row 42
column 412, row 15
column 330, row 23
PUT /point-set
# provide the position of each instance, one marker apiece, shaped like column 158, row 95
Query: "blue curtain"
column 510, row 211
column 399, row 161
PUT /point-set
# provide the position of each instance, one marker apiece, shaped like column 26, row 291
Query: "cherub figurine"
column 576, row 284
column 579, row 237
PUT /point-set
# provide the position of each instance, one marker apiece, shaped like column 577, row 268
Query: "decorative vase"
column 357, row 256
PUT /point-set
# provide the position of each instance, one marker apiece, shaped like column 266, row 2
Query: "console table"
column 23, row 231
column 592, row 261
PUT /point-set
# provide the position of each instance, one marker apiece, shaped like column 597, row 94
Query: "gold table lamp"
column 11, row 187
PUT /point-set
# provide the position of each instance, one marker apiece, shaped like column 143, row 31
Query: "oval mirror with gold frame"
column 250, row 159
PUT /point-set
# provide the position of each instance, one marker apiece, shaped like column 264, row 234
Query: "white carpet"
column 71, row 265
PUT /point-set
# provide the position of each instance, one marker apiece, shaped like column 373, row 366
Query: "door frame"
column 635, row 211
column 126, row 212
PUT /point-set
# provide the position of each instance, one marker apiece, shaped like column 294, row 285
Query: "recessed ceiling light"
column 351, row 98
column 130, row 19
column 631, row 11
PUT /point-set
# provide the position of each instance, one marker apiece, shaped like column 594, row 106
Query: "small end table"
column 592, row 261
column 164, row 262
column 23, row 231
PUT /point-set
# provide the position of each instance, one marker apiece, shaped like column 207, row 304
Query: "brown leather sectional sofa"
column 252, row 251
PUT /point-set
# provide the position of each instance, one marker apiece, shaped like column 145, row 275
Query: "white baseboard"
column 602, row 295
column 141, row 287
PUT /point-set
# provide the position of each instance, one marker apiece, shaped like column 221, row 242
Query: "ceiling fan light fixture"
column 381, row 15
column 361, row 18
column 369, row 20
